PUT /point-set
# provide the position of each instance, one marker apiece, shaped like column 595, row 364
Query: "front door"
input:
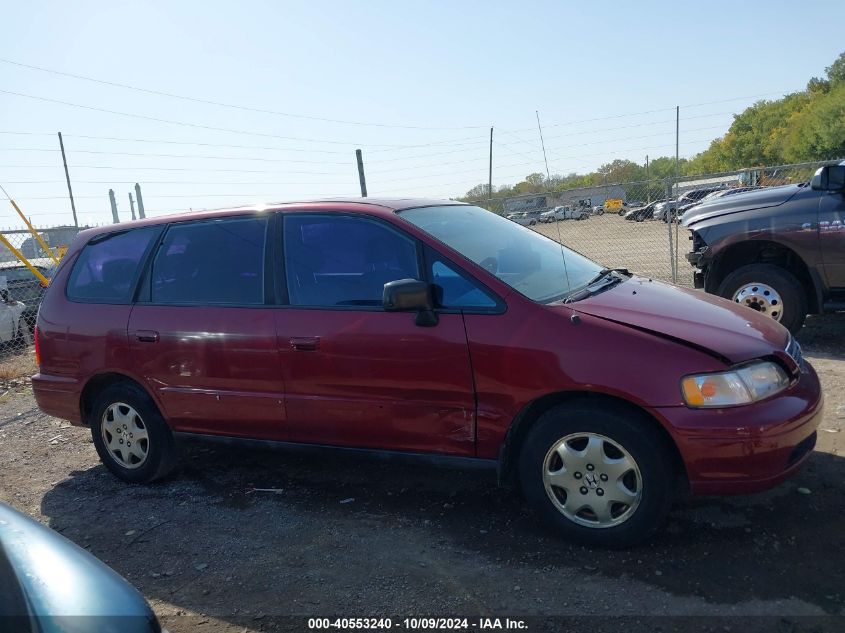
column 354, row 374
column 203, row 335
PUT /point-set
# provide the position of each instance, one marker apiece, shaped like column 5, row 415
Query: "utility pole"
column 67, row 177
column 490, row 172
column 361, row 177
column 548, row 177
column 677, row 142
column 113, row 202
column 131, row 205
column 140, row 201
column 647, row 181
column 677, row 186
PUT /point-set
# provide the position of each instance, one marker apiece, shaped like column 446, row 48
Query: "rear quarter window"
column 107, row 268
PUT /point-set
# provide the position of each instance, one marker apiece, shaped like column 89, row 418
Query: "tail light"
column 37, row 348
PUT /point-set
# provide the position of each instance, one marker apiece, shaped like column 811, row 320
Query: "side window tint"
column 218, row 262
column 452, row 290
column 105, row 269
column 344, row 261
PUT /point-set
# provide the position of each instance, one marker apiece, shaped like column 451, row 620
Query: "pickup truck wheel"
column 770, row 290
column 597, row 474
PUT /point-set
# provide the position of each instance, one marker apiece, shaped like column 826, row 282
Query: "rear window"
column 107, row 267
column 216, row 262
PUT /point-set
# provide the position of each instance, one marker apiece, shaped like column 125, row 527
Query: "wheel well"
column 95, row 386
column 763, row 252
column 522, row 423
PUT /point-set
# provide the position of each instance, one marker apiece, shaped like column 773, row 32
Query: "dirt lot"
column 642, row 247
column 343, row 536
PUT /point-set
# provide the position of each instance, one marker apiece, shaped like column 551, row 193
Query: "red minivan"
column 425, row 328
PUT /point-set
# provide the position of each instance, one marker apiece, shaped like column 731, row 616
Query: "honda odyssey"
column 430, row 329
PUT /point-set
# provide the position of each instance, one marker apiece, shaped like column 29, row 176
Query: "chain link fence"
column 635, row 225
column 25, row 270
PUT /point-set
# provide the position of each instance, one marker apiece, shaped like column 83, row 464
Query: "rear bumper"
column 58, row 396
column 752, row 448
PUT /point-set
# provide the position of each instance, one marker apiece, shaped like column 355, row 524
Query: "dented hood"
column 721, row 327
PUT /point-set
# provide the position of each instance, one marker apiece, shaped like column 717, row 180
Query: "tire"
column 614, row 428
column 788, row 293
column 160, row 456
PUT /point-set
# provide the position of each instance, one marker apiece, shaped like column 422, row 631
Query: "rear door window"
column 218, row 262
column 107, row 268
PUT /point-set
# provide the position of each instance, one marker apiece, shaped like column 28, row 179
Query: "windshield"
column 537, row 267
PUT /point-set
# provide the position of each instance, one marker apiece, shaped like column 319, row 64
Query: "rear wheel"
column 770, row 290
column 130, row 435
column 597, row 475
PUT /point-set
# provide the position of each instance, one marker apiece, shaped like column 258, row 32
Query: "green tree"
column 818, row 131
column 836, row 71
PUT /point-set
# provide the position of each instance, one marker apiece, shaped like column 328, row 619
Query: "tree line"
column 803, row 126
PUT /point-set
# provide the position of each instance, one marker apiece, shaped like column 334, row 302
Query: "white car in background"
column 525, row 219
column 565, row 213
column 13, row 328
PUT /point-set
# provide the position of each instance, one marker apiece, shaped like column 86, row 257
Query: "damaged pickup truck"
column 778, row 250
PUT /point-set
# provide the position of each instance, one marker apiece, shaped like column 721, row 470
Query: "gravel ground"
column 343, row 536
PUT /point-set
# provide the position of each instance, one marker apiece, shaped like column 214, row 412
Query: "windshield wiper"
column 604, row 272
column 593, row 286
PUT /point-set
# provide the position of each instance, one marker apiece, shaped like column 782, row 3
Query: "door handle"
column 147, row 336
column 305, row 343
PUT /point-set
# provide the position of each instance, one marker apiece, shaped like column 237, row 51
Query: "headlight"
column 742, row 385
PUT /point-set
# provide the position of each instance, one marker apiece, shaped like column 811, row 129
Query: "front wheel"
column 131, row 436
column 598, row 475
column 769, row 289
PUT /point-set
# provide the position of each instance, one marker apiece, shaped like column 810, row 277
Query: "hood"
column 721, row 327
column 757, row 199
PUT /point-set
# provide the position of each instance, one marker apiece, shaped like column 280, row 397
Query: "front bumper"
column 750, row 448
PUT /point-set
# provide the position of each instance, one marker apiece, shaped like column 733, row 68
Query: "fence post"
column 669, row 226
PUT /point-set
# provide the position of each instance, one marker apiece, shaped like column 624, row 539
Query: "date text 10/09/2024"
column 430, row 624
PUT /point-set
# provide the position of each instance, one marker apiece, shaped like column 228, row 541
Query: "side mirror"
column 410, row 295
column 829, row 178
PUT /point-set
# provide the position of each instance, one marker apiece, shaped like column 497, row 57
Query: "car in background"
column 721, row 193
column 639, row 214
column 666, row 210
column 728, row 192
column 24, row 286
column 49, row 584
column 687, row 200
column 528, row 218
column 549, row 216
column 778, row 250
column 13, row 327
column 564, row 212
